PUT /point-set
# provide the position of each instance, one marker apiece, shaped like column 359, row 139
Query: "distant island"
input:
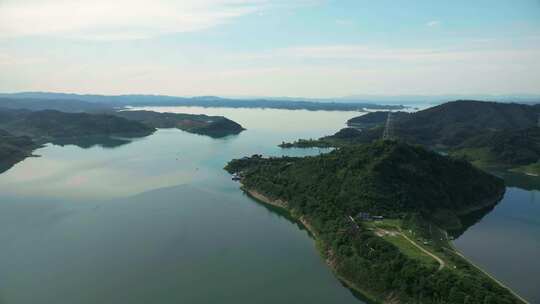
column 64, row 102
column 47, row 125
column 380, row 214
column 22, row 131
column 489, row 134
column 213, row 126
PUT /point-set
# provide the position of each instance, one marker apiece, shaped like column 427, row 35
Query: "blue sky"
column 310, row 48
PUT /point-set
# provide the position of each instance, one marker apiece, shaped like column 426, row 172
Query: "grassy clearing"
column 393, row 235
column 532, row 169
column 480, row 157
column 409, row 249
column 437, row 243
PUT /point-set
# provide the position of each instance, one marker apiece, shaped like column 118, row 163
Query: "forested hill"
column 214, row 126
column 374, row 119
column 518, row 149
column 490, row 134
column 385, row 177
column 49, row 124
column 411, row 187
column 452, row 123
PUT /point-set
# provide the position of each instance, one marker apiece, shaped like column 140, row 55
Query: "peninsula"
column 380, row 213
column 213, row 126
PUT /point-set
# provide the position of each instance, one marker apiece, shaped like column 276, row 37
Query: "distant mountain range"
column 410, row 99
column 56, row 100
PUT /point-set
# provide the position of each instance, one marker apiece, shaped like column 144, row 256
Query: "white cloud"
column 433, row 23
column 485, row 66
column 358, row 54
column 118, row 19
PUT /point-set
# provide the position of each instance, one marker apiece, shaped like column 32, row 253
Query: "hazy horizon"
column 359, row 98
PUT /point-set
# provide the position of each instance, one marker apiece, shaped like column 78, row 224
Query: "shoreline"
column 331, row 263
column 328, row 260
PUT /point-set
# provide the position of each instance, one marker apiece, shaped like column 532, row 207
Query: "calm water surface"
column 158, row 220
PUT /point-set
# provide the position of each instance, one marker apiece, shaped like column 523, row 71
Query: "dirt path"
column 441, row 262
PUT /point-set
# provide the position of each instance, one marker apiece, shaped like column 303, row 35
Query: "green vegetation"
column 421, row 193
column 480, row 157
column 44, row 126
column 308, row 143
column 507, row 148
column 344, row 137
column 491, row 135
column 374, row 119
column 390, row 231
column 532, row 169
column 22, row 131
column 214, row 126
column 14, row 149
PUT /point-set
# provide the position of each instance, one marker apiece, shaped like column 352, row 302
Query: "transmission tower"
column 388, row 133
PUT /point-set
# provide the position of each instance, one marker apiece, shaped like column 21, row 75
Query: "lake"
column 157, row 220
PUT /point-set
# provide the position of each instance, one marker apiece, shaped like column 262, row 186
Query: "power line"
column 388, row 133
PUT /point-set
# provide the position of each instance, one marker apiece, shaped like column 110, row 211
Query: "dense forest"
column 214, row 126
column 508, row 148
column 394, row 180
column 49, row 124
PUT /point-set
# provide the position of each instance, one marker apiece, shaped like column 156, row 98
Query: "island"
column 22, row 130
column 213, row 126
column 380, row 214
column 494, row 136
column 47, row 125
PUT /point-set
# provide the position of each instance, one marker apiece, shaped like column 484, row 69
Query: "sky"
column 307, row 48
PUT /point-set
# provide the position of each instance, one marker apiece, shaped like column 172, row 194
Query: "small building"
column 378, row 217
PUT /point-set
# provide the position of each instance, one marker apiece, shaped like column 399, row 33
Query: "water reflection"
column 91, row 141
column 470, row 219
column 520, row 180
